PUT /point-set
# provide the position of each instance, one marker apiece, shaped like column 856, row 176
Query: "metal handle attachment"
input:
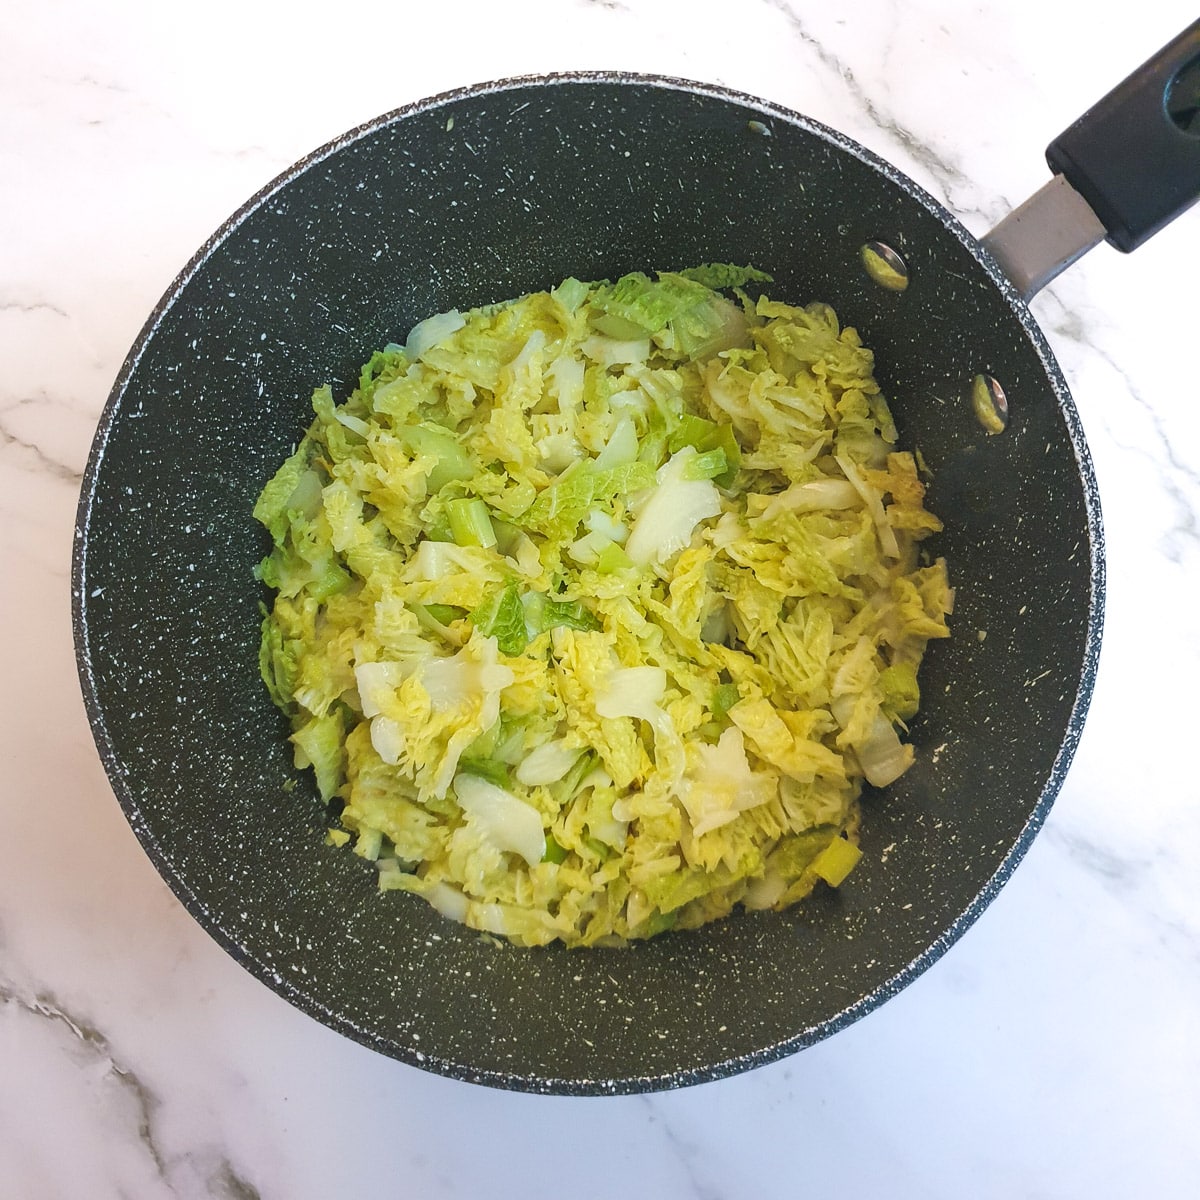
column 1126, row 168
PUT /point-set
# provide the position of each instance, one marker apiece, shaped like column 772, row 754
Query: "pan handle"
column 1126, row 168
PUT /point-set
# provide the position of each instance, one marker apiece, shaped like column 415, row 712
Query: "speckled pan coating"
column 476, row 196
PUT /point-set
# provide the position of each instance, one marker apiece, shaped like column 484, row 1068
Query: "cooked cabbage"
column 596, row 608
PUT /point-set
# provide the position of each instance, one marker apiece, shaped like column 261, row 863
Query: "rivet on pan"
column 989, row 402
column 759, row 128
column 884, row 266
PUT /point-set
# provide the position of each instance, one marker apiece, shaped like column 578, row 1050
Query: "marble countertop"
column 1053, row 1052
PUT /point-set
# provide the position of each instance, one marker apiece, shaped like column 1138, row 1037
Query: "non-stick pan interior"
column 476, row 197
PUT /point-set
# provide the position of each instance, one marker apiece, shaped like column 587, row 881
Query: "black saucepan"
column 483, row 194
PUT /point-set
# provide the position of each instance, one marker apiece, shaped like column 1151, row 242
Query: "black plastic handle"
column 1135, row 156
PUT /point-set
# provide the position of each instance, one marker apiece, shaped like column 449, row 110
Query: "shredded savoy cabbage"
column 594, row 609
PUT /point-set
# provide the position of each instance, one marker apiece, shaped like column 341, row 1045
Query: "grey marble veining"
column 950, row 182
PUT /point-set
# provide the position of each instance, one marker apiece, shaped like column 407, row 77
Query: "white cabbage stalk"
column 764, row 892
column 609, row 830
column 596, row 520
column 613, row 829
column 435, row 560
column 472, row 676
column 871, row 498
column 637, row 692
column 856, row 673
column 306, row 495
column 883, row 756
column 672, row 511
column 489, row 918
column 447, row 900
column 388, row 739
column 432, row 331
column 632, row 400
column 351, row 422
column 632, row 692
column 377, row 682
column 525, row 555
column 608, row 352
column 547, row 763
column 463, row 676
column 586, row 550
column 719, row 784
column 814, row 496
column 534, row 343
column 728, row 401
column 621, row 447
column 500, row 818
column 726, row 531
column 624, row 808
column 565, row 376
column 533, row 927
column 558, row 451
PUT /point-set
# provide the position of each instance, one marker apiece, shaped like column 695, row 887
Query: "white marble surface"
column 1055, row 1052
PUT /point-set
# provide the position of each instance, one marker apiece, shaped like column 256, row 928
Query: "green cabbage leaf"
column 593, row 611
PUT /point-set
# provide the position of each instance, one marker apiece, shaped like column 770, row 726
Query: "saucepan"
column 492, row 191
